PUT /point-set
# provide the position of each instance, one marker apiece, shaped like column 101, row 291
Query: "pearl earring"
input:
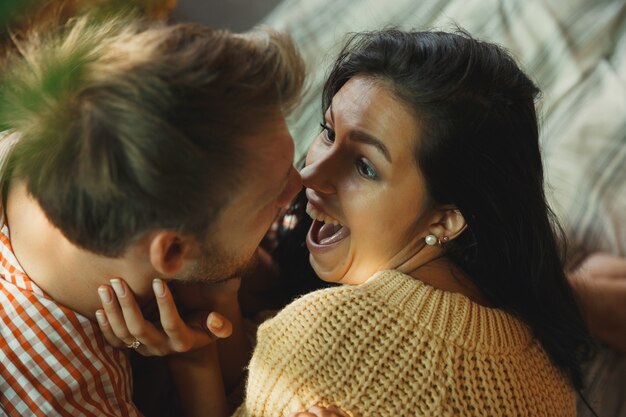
column 431, row 240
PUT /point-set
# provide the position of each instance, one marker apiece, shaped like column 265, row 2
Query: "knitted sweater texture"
column 395, row 346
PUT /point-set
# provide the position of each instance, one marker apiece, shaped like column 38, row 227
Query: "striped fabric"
column 53, row 361
column 575, row 50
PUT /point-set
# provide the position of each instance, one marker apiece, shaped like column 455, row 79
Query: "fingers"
column 108, row 333
column 317, row 411
column 180, row 334
column 219, row 325
column 336, row 411
column 171, row 322
column 137, row 326
column 114, row 316
column 122, row 322
column 603, row 265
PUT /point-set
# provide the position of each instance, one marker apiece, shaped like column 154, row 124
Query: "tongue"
column 327, row 231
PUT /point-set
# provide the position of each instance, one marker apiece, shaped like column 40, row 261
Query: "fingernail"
column 101, row 317
column 118, row 287
column 158, row 288
column 104, row 294
column 215, row 322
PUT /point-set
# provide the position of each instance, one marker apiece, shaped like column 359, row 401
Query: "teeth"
column 322, row 217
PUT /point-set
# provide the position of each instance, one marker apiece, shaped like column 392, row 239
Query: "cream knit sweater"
column 394, row 346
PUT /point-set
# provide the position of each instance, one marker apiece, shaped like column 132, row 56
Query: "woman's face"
column 361, row 173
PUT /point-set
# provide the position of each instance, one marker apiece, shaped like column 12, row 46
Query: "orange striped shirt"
column 54, row 361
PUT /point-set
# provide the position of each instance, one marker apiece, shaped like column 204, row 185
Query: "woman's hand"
column 600, row 285
column 317, row 411
column 123, row 324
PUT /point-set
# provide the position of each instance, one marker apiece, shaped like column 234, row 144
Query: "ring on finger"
column 134, row 345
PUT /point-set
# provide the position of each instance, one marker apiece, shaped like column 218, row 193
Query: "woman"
column 425, row 187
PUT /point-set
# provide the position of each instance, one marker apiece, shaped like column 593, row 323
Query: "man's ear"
column 448, row 224
column 168, row 251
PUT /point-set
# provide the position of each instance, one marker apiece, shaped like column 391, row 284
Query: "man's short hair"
column 128, row 126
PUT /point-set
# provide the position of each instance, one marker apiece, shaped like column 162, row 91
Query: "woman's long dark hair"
column 479, row 151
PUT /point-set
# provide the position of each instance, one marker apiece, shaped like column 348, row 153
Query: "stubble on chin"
column 217, row 268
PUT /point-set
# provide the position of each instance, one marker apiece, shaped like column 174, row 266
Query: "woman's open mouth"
column 325, row 232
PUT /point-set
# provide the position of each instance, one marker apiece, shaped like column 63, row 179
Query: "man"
column 130, row 150
column 18, row 18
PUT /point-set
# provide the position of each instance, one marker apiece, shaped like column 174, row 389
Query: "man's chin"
column 214, row 274
column 220, row 280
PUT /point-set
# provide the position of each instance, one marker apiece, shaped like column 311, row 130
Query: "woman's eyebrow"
column 365, row 138
column 368, row 139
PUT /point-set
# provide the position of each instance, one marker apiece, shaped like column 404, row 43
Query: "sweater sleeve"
column 295, row 363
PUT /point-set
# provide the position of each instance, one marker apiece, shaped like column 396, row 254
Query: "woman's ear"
column 168, row 251
column 448, row 224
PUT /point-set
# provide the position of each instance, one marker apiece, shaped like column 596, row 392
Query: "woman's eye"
column 366, row 169
column 329, row 134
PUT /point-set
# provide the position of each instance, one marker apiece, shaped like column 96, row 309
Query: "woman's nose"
column 316, row 176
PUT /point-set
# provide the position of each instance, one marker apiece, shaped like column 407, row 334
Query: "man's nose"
column 293, row 187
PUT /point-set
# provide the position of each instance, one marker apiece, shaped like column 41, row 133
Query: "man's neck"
column 69, row 274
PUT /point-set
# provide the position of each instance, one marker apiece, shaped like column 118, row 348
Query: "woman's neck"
column 444, row 275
